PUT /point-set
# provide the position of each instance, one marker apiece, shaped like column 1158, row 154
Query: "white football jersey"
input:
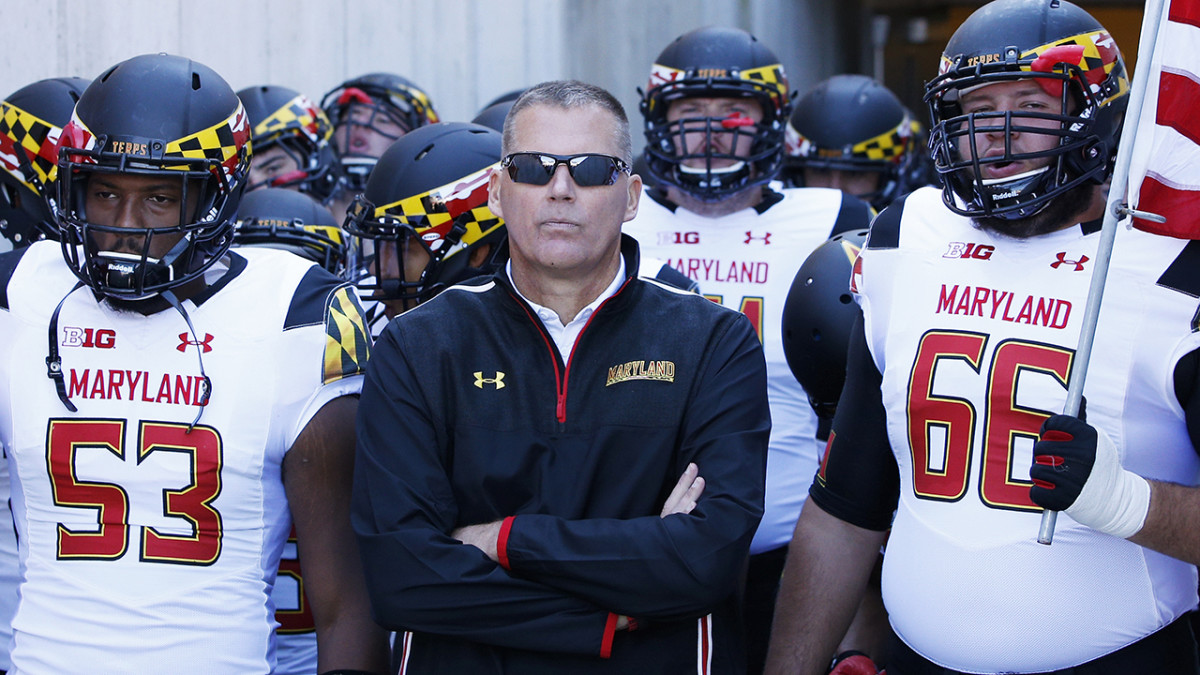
column 9, row 568
column 976, row 335
column 746, row 261
column 296, row 636
column 147, row 543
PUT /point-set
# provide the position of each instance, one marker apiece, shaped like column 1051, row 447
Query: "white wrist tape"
column 1113, row 500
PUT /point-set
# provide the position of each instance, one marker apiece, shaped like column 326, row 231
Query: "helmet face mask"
column 427, row 206
column 136, row 263
column 105, row 151
column 715, row 63
column 1068, row 144
column 382, row 106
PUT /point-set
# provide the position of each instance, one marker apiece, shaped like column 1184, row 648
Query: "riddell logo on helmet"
column 127, row 148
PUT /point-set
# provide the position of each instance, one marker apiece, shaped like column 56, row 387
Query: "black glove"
column 1077, row 469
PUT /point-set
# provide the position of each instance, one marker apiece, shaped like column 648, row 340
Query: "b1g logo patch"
column 95, row 338
column 966, row 250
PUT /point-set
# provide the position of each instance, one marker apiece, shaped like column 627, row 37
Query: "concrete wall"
column 462, row 52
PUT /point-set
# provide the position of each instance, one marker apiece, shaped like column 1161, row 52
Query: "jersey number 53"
column 189, row 501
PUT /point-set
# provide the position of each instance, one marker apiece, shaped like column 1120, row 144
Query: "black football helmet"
column 715, row 63
column 851, row 123
column 292, row 121
column 818, row 316
column 493, row 116
column 381, row 95
column 162, row 116
column 1073, row 58
column 31, row 119
column 430, row 190
column 292, row 221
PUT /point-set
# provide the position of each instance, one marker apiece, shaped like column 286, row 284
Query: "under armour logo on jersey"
column 1062, row 260
column 497, row 381
column 205, row 345
column 766, row 238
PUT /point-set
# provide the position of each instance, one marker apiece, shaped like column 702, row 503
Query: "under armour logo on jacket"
column 1062, row 260
column 205, row 345
column 497, row 381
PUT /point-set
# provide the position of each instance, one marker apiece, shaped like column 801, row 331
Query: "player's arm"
column 419, row 577
column 680, row 565
column 829, row 563
column 317, row 474
column 841, row 527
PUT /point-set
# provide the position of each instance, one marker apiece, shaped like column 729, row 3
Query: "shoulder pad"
column 8, row 264
column 854, row 214
column 323, row 299
column 885, row 229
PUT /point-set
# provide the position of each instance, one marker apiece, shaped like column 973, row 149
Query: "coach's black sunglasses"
column 587, row 169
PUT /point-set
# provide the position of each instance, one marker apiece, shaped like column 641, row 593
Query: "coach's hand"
column 687, row 490
column 1076, row 469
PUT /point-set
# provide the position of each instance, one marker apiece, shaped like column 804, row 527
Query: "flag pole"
column 1117, row 209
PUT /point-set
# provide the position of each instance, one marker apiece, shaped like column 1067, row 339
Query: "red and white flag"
column 1164, row 170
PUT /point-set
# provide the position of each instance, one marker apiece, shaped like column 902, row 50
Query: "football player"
column 425, row 212
column 174, row 438
column 291, row 138
column 31, row 119
column 973, row 299
column 714, row 111
column 851, row 133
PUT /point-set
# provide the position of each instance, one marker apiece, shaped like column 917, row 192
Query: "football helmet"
column 715, row 63
column 165, row 117
column 292, row 221
column 430, row 190
column 851, row 123
column 1073, row 58
column 31, row 120
column 818, row 316
column 363, row 100
column 493, row 116
column 285, row 118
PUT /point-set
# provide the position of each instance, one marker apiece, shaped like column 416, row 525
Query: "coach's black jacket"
column 469, row 415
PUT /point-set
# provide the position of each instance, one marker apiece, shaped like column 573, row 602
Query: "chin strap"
column 206, row 383
column 54, row 360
